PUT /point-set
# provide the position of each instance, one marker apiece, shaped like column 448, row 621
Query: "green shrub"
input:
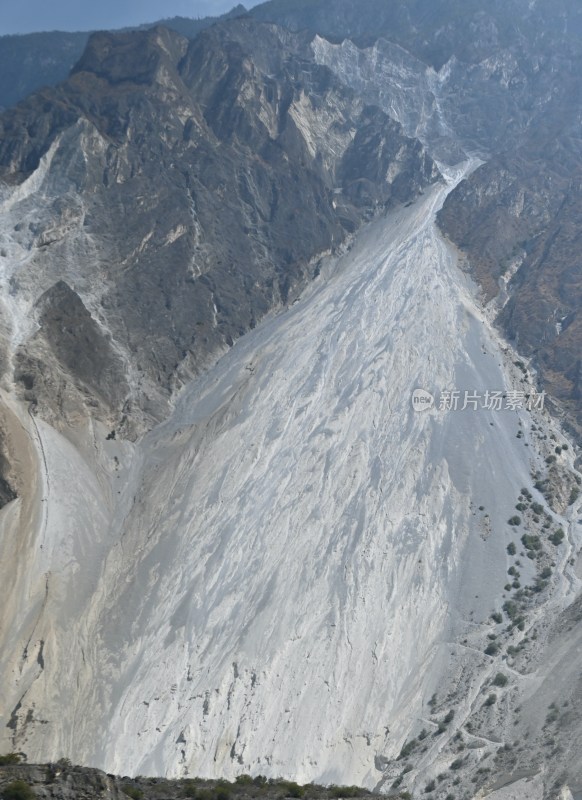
column 557, row 537
column 407, row 749
column 531, row 541
column 511, row 608
column 546, row 573
column 293, row 789
column 457, row 763
column 17, row 790
column 491, row 700
column 132, row 791
column 514, row 521
column 497, row 617
column 205, row 794
column 574, row 495
column 244, row 780
column 430, row 787
column 492, row 649
column 9, row 758
column 500, row 679
column 345, row 791
column 537, row 508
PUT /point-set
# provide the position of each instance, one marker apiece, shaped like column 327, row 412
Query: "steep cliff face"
column 518, row 220
column 297, row 537
column 261, row 161
column 254, row 553
column 514, row 100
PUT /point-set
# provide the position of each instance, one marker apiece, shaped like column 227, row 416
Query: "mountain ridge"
column 223, row 283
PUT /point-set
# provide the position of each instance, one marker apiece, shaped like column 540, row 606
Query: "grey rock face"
column 513, row 99
column 155, row 208
column 69, row 356
column 518, row 219
column 260, row 159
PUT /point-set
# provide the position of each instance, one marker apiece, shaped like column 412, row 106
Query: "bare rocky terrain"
column 64, row 781
column 231, row 544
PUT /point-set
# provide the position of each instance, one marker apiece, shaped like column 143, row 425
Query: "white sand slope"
column 274, row 580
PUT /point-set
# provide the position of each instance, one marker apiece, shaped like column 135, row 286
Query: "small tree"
column 17, row 790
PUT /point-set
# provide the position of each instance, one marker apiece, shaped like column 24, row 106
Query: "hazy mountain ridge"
column 34, row 60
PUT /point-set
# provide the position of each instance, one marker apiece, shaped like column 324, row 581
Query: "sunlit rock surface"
column 269, row 561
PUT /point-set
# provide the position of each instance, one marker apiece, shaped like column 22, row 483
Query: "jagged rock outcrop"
column 34, row 60
column 511, row 94
column 261, row 161
column 69, row 363
column 518, row 220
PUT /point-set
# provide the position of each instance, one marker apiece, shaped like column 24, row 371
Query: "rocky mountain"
column 260, row 158
column 518, row 220
column 35, row 60
column 512, row 98
column 279, row 494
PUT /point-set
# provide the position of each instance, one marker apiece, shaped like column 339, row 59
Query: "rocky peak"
column 261, row 158
column 132, row 57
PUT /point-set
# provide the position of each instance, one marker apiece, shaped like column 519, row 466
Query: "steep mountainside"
column 261, row 161
column 468, row 30
column 32, row 61
column 231, row 540
column 514, row 97
column 519, row 220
